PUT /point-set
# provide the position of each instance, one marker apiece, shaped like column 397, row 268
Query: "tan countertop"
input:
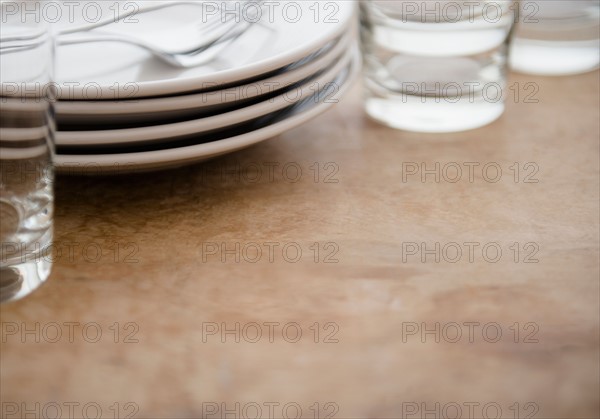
column 172, row 295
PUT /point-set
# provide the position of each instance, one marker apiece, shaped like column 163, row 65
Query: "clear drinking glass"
column 557, row 37
column 436, row 65
column 26, row 148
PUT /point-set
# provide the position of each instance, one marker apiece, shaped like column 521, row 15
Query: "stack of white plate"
column 121, row 109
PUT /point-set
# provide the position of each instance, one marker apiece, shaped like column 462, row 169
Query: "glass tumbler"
column 436, row 65
column 26, row 148
column 557, row 37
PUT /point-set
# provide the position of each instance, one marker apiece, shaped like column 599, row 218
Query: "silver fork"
column 105, row 22
column 215, row 35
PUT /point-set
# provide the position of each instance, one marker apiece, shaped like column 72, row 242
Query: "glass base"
column 432, row 115
column 22, row 274
column 17, row 281
column 547, row 58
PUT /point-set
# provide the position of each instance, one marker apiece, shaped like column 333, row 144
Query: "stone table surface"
column 343, row 269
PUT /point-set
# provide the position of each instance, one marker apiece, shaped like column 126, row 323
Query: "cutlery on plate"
column 213, row 35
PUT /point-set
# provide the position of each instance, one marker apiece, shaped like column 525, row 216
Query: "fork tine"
column 230, row 34
column 215, row 20
column 229, row 17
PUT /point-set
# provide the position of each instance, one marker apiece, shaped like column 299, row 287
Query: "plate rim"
column 198, row 126
column 195, row 101
column 176, row 157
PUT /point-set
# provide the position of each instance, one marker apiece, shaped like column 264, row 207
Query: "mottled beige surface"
column 171, row 293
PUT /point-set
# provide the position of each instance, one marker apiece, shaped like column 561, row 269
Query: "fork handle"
column 138, row 11
column 108, row 21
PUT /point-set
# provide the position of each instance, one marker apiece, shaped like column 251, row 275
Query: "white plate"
column 175, row 157
column 109, row 71
column 164, row 132
column 137, row 111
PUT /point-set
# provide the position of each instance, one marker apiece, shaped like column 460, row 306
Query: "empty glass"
column 436, row 65
column 557, row 37
column 26, row 148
